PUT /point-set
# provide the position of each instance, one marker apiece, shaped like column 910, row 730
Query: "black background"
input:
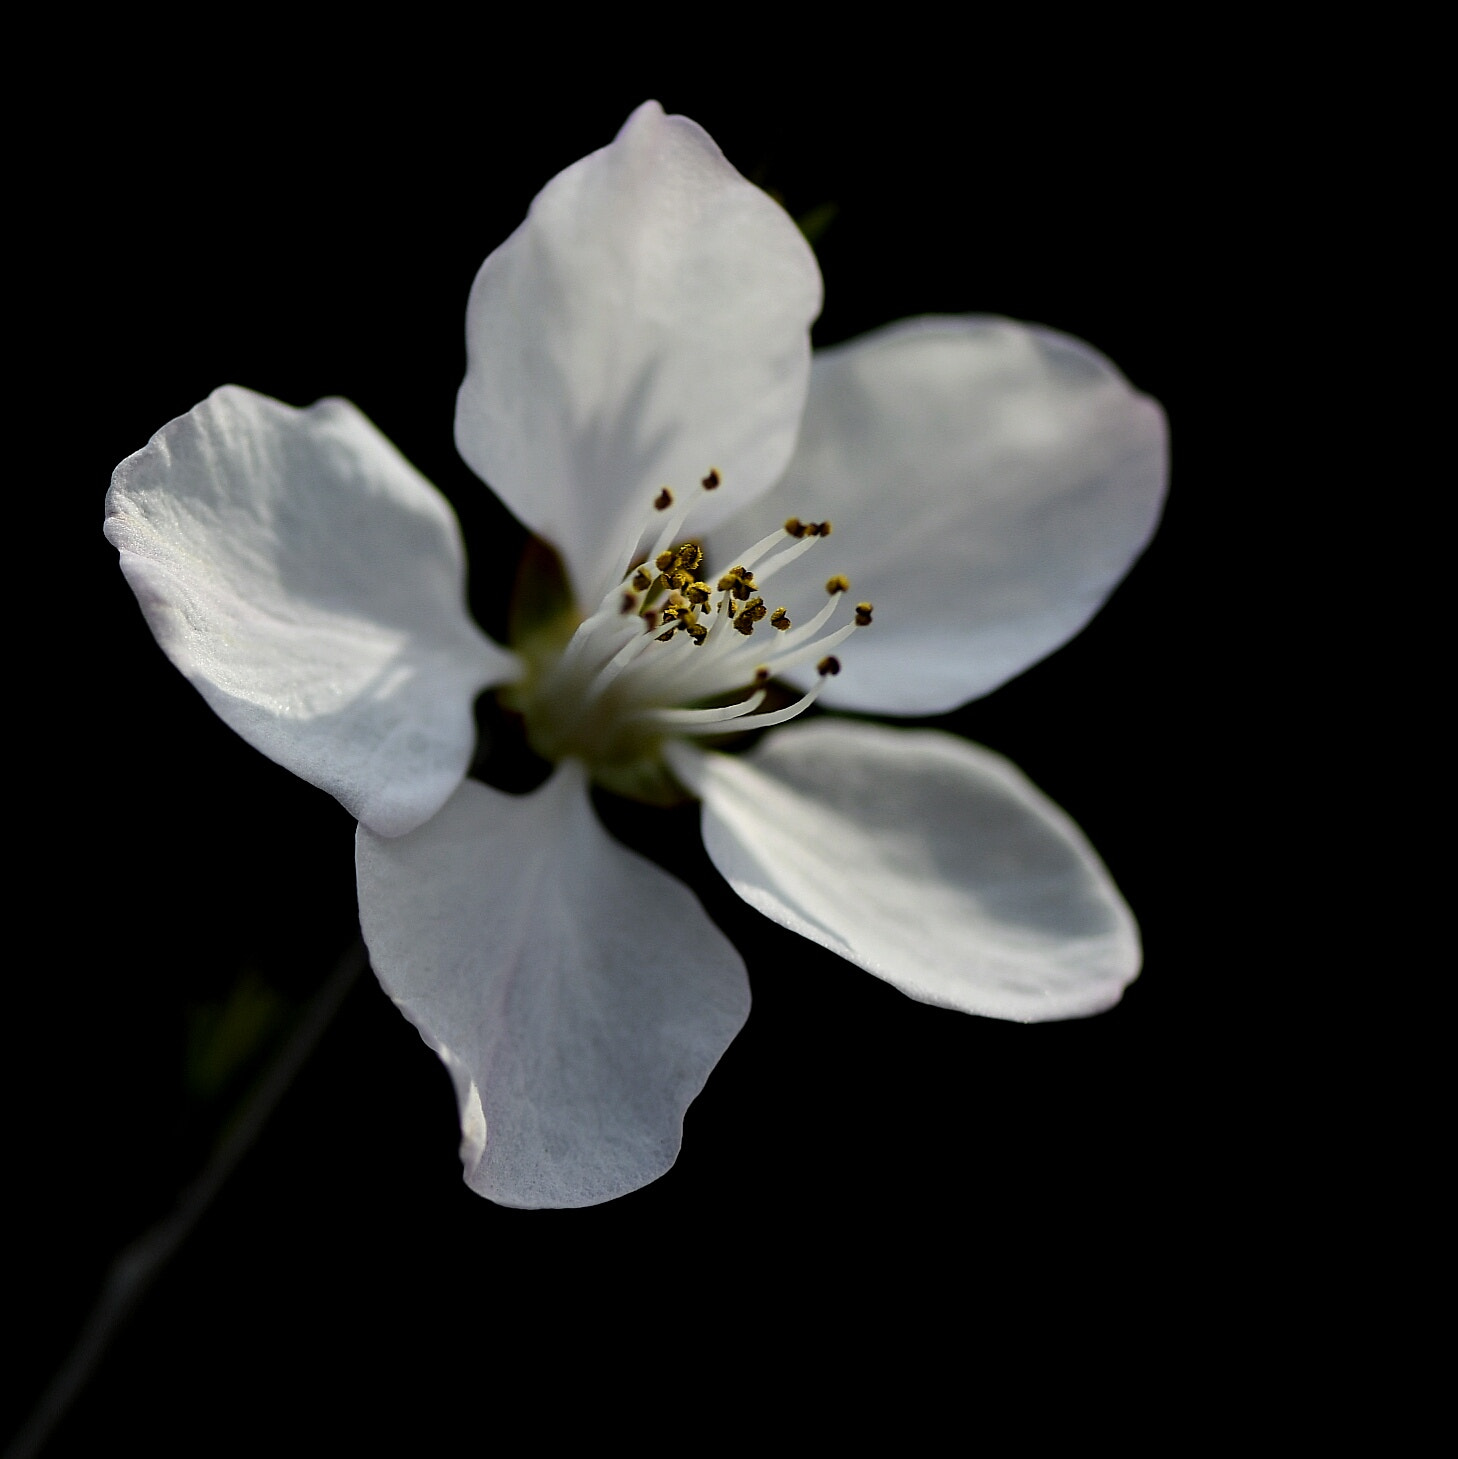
column 310, row 226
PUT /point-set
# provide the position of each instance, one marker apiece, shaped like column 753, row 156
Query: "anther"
column 621, row 686
column 738, row 582
column 749, row 615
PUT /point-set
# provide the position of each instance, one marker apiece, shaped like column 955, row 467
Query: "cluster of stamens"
column 666, row 639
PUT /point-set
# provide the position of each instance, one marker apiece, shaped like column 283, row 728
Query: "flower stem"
column 138, row 1265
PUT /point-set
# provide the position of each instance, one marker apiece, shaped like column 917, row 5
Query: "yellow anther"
column 690, row 555
column 712, row 479
column 642, row 580
column 749, row 615
column 863, row 614
column 828, row 665
column 697, row 592
column 664, row 637
column 664, row 560
column 838, row 584
column 824, row 529
column 738, row 582
column 696, row 631
column 678, row 579
column 663, row 500
column 780, row 619
column 795, row 527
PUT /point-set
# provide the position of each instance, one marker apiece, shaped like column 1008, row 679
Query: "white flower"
column 647, row 327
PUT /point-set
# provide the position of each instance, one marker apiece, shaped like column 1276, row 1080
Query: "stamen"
column 751, row 613
column 807, row 631
column 738, row 581
column 621, row 682
column 810, row 646
column 671, row 529
column 790, row 711
column 765, row 545
column 636, row 645
column 701, row 721
column 782, row 559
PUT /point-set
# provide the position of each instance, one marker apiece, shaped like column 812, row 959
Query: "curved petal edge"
column 990, row 483
column 577, row 993
column 311, row 585
column 648, row 322
column 932, row 863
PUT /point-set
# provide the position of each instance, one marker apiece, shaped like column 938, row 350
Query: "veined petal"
column 648, row 321
column 930, row 862
column 311, row 584
column 989, row 483
column 578, row 994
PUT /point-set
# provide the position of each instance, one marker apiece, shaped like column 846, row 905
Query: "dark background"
column 309, row 229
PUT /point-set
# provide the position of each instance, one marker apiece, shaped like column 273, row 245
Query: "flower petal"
column 989, row 484
column 648, row 321
column 311, row 584
column 925, row 860
column 578, row 994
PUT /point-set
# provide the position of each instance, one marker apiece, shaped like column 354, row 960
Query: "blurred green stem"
column 137, row 1266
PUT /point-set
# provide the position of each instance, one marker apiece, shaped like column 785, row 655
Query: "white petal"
column 989, row 484
column 578, row 994
column 648, row 321
column 930, row 862
column 311, row 584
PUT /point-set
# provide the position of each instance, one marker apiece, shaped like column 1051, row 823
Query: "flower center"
column 674, row 650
